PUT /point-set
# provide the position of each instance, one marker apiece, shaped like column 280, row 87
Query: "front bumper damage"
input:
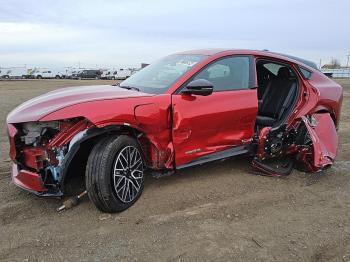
column 32, row 182
column 40, row 168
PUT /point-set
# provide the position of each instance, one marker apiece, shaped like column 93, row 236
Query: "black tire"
column 57, row 77
column 113, row 78
column 39, row 77
column 102, row 177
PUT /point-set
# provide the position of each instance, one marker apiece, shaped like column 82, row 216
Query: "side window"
column 306, row 73
column 230, row 73
column 273, row 68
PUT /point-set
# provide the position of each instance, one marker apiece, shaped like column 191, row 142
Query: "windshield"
column 159, row 76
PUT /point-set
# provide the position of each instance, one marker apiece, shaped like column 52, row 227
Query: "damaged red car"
column 186, row 109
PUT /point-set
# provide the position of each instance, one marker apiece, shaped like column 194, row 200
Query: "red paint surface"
column 208, row 124
column 67, row 132
column 262, row 140
column 34, row 157
column 325, row 140
column 38, row 107
column 27, row 180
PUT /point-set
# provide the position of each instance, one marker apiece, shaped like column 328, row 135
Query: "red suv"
column 185, row 109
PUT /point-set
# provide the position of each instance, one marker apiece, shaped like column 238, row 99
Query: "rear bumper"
column 32, row 182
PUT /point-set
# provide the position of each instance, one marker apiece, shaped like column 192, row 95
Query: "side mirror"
column 199, row 87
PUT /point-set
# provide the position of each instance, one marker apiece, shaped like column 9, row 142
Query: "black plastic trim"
column 240, row 150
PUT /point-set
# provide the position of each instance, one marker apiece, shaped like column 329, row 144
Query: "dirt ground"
column 216, row 212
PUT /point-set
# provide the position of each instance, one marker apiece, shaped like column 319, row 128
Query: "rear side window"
column 273, row 68
column 230, row 73
column 306, row 73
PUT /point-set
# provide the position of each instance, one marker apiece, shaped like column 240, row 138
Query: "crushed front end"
column 38, row 150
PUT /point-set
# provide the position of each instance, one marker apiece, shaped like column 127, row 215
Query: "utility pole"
column 347, row 62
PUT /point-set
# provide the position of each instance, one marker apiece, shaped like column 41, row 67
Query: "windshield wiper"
column 129, row 88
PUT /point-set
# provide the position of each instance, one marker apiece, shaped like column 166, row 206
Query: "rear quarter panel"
column 330, row 95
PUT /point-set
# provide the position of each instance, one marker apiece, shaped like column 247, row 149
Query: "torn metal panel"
column 324, row 137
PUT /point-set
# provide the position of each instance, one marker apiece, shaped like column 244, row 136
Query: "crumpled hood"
column 38, row 107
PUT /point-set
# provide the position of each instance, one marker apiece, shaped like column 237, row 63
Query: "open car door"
column 321, row 143
column 314, row 147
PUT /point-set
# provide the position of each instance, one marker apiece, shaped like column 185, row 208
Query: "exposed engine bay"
column 41, row 147
column 39, row 133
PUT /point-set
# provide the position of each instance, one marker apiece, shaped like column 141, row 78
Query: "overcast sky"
column 127, row 32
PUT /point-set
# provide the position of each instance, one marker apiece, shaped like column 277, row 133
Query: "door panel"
column 208, row 124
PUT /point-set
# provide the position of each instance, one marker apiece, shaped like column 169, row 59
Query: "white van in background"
column 109, row 74
column 4, row 73
column 70, row 72
column 46, row 73
column 14, row 72
column 113, row 74
column 123, row 73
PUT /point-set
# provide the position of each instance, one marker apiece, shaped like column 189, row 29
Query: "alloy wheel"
column 128, row 174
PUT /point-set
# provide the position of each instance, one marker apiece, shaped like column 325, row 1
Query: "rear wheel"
column 57, row 77
column 39, row 77
column 115, row 173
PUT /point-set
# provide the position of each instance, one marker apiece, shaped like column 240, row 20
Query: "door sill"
column 240, row 150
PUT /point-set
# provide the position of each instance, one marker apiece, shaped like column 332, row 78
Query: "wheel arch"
column 80, row 147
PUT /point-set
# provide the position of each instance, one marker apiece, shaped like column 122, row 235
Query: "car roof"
column 266, row 53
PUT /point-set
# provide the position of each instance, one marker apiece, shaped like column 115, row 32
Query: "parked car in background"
column 109, row 74
column 74, row 74
column 46, row 73
column 186, row 109
column 123, row 73
column 88, row 74
column 113, row 74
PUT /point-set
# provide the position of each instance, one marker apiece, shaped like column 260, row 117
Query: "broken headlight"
column 37, row 133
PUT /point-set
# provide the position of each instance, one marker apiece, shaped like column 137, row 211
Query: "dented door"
column 324, row 138
column 209, row 124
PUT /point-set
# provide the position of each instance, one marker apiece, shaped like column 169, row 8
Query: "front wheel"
column 115, row 173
